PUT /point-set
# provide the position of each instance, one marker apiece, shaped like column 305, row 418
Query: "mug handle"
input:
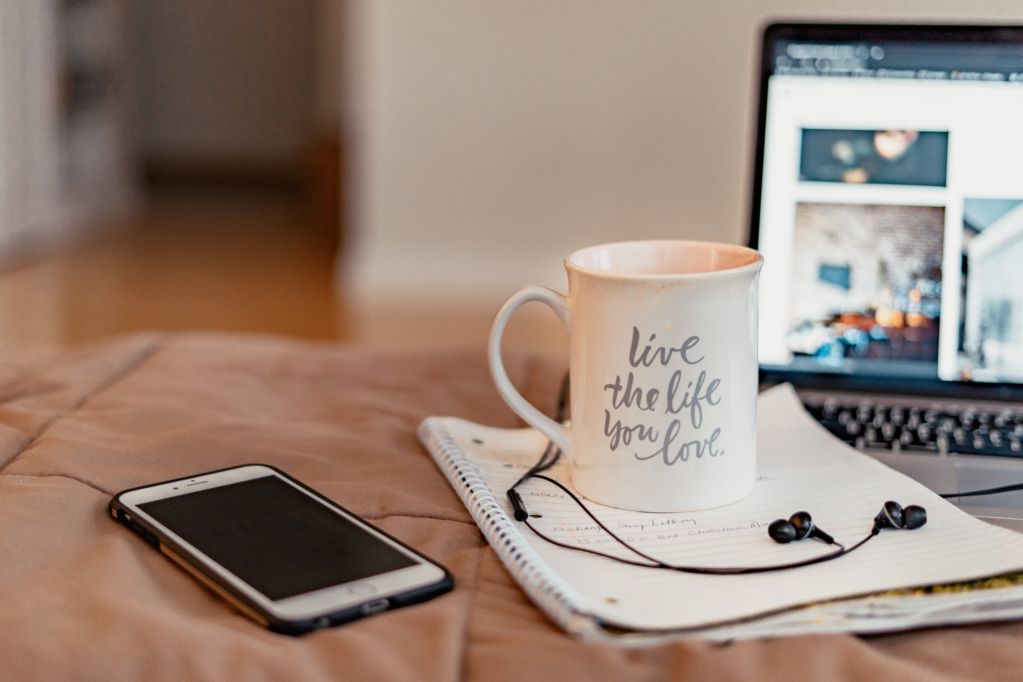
column 532, row 416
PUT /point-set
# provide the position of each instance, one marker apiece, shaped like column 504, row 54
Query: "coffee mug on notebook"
column 663, row 367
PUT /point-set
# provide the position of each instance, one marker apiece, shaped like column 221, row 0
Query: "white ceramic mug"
column 663, row 366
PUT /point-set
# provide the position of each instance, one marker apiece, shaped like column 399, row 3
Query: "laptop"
column 888, row 204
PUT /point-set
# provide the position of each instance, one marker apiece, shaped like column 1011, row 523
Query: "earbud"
column 914, row 516
column 800, row 525
column 797, row 527
column 893, row 515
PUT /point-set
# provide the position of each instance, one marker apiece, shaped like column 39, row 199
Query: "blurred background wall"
column 64, row 136
column 378, row 171
column 492, row 138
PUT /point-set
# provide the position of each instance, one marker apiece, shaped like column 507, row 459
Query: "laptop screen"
column 889, row 203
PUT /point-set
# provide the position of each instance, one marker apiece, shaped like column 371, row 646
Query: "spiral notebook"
column 879, row 588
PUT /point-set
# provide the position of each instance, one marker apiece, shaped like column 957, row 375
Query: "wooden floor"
column 244, row 262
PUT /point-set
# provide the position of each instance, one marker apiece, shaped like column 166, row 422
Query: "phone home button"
column 362, row 589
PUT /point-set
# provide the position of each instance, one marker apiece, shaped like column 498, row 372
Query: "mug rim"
column 755, row 264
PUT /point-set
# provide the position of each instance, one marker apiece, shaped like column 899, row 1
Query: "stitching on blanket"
column 464, row 658
column 377, row 517
column 88, row 484
column 111, row 381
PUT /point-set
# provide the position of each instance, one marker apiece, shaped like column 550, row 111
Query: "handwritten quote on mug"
column 687, row 398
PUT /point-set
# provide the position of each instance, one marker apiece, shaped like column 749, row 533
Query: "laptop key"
column 877, row 438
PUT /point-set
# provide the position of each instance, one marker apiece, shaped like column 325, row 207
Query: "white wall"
column 493, row 137
column 60, row 174
column 30, row 193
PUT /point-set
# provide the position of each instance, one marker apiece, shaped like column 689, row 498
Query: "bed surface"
column 81, row 597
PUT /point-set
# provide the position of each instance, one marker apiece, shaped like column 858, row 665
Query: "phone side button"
column 375, row 606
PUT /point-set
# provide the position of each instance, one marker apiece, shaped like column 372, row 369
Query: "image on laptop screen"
column 891, row 209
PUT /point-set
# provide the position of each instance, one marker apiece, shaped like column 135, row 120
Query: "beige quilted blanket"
column 83, row 598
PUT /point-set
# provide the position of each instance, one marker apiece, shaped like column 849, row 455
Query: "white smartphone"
column 283, row 554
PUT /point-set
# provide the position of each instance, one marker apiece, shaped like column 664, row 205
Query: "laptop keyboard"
column 968, row 431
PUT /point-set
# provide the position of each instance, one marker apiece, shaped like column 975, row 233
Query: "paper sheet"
column 801, row 467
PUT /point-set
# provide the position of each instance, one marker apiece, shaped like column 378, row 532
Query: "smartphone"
column 280, row 552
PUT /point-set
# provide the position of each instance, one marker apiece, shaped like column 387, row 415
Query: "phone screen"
column 275, row 538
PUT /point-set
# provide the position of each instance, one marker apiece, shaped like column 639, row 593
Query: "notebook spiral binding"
column 543, row 585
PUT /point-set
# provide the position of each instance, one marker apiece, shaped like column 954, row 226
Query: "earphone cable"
column 550, row 457
column 987, row 491
column 657, row 563
column 552, row 453
column 739, row 570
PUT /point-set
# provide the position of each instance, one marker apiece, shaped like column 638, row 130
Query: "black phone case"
column 177, row 554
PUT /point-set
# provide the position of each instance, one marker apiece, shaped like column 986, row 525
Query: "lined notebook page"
column 801, row 467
